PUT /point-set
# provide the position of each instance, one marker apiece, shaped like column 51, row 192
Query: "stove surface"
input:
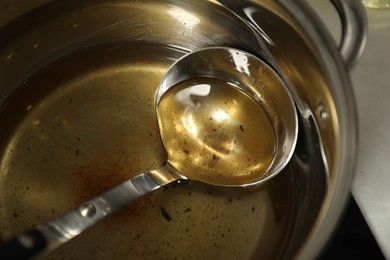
column 353, row 238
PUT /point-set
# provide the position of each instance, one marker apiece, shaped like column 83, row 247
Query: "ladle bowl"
column 225, row 118
column 252, row 77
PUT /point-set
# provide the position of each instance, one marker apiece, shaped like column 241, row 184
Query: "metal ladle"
column 225, row 118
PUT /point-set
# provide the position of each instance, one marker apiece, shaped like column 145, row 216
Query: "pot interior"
column 77, row 117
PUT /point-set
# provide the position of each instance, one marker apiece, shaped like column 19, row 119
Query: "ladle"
column 225, row 118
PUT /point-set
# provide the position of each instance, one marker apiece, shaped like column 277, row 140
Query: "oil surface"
column 87, row 122
column 215, row 132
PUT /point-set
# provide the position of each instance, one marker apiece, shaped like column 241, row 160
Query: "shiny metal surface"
column 251, row 75
column 354, row 30
column 338, row 190
column 74, row 222
column 313, row 175
column 300, row 50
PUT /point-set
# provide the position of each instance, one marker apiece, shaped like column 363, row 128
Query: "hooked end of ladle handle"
column 23, row 246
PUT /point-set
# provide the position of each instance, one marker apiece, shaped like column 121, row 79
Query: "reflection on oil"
column 215, row 132
column 184, row 96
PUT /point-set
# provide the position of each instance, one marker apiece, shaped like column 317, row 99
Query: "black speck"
column 187, row 210
column 242, row 128
column 77, row 152
column 15, row 215
column 186, row 151
column 253, row 208
column 165, row 214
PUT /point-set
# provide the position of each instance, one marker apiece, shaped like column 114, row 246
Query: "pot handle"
column 354, row 30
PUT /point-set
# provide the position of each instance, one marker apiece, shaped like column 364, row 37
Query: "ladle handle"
column 45, row 238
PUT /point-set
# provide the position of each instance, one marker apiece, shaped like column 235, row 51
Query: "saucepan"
column 77, row 88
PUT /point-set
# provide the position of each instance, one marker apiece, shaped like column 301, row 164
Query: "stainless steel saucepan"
column 77, row 88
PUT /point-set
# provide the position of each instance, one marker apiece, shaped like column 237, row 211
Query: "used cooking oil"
column 87, row 122
column 215, row 132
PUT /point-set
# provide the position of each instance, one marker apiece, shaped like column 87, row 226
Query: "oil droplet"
column 322, row 112
column 10, row 55
column 35, row 122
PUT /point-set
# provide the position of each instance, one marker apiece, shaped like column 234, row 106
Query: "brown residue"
column 165, row 214
column 101, row 174
column 106, row 172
